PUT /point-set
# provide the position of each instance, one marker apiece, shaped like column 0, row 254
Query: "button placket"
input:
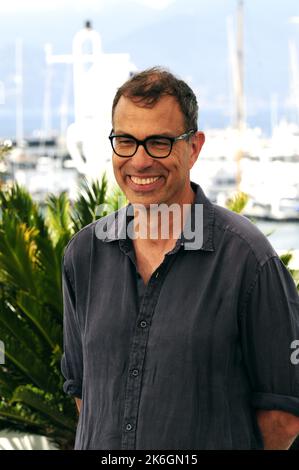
column 136, row 361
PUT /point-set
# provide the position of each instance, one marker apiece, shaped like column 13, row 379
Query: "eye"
column 159, row 142
column 124, row 141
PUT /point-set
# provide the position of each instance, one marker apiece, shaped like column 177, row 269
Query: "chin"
column 144, row 202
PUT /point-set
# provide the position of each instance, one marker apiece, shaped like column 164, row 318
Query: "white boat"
column 242, row 159
column 271, row 176
column 41, row 165
column 53, row 164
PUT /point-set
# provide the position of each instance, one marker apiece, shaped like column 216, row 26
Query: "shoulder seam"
column 260, row 263
column 94, row 222
column 74, row 236
column 252, row 285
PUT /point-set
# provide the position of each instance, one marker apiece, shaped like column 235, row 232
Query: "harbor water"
column 284, row 237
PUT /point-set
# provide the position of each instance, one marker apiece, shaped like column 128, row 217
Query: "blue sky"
column 46, row 5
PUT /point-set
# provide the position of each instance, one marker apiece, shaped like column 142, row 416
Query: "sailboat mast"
column 294, row 69
column 240, row 108
column 240, row 100
column 19, row 91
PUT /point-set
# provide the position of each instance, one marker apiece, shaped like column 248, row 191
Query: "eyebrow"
column 162, row 134
column 120, row 132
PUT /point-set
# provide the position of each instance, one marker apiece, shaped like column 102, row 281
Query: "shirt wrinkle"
column 254, row 281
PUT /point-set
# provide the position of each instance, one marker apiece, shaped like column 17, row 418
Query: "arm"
column 78, row 403
column 269, row 325
column 279, row 429
column 72, row 360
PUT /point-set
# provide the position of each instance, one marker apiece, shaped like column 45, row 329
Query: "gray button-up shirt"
column 183, row 362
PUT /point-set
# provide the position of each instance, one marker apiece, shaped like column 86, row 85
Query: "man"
column 169, row 345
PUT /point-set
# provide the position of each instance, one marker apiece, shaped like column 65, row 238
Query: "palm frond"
column 58, row 217
column 116, row 199
column 38, row 401
column 15, row 418
column 286, row 258
column 17, row 201
column 45, row 326
column 92, row 195
column 12, row 319
column 33, row 369
column 32, row 242
column 17, row 253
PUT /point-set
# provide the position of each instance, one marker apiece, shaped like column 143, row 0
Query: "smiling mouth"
column 144, row 181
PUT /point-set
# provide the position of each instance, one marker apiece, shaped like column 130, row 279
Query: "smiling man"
column 169, row 344
column 155, row 180
column 149, row 180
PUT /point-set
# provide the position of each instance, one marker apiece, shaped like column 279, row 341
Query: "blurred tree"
column 5, row 147
column 31, row 249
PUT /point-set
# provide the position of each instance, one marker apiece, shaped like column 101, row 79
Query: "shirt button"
column 143, row 324
column 157, row 273
column 129, row 427
column 135, row 372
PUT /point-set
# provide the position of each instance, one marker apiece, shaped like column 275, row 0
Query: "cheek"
column 117, row 173
column 181, row 163
column 187, row 162
column 116, row 165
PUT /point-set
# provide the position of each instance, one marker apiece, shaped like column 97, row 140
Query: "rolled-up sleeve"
column 269, row 331
column 71, row 362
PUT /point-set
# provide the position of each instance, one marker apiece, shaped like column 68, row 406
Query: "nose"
column 141, row 159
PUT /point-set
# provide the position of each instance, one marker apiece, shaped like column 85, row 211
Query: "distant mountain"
column 189, row 37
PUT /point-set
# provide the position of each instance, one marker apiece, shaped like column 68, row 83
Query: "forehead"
column 164, row 116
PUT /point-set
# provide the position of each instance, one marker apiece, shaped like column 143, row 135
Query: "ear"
column 197, row 141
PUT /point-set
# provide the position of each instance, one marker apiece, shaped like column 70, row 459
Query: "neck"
column 159, row 225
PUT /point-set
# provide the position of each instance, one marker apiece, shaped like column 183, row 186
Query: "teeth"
column 144, row 180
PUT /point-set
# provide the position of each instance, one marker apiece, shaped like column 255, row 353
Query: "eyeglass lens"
column 155, row 146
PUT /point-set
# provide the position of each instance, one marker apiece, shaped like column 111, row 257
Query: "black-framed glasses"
column 157, row 146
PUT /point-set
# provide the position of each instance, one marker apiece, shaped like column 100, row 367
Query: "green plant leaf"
column 91, row 196
column 238, row 202
column 38, row 401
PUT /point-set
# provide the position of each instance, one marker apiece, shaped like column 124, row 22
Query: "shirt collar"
column 114, row 226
